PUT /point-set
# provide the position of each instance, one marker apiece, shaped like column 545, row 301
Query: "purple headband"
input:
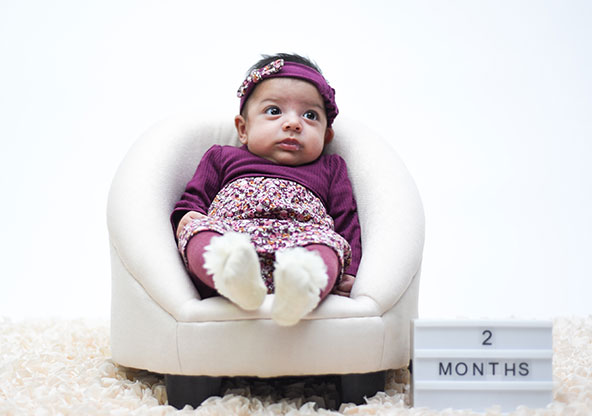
column 281, row 68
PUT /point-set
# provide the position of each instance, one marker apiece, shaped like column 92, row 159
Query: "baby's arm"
column 199, row 192
column 187, row 218
column 344, row 287
column 342, row 208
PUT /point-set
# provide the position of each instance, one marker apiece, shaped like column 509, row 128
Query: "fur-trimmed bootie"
column 299, row 277
column 233, row 263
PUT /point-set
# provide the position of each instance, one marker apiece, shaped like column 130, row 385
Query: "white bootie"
column 299, row 277
column 233, row 263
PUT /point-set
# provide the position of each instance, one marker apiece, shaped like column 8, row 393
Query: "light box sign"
column 468, row 364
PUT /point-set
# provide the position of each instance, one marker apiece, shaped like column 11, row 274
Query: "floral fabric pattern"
column 276, row 213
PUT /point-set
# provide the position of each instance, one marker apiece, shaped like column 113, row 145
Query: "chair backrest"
column 156, row 170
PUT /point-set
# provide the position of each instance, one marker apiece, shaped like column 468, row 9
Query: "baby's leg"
column 331, row 260
column 302, row 278
column 195, row 261
column 228, row 263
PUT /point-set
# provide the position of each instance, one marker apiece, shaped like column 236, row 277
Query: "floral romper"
column 276, row 213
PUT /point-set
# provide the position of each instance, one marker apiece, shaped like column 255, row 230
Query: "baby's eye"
column 273, row 111
column 311, row 115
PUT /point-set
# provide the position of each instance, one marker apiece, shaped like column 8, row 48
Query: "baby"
column 275, row 215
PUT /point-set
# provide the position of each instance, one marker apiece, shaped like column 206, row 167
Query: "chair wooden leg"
column 354, row 387
column 191, row 390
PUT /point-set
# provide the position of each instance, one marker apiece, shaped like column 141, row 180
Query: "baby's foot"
column 234, row 265
column 299, row 277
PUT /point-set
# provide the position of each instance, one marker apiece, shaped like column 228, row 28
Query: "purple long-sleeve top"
column 326, row 177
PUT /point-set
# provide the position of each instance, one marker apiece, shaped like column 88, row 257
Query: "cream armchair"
column 160, row 323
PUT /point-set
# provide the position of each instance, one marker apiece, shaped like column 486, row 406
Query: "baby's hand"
column 187, row 218
column 345, row 285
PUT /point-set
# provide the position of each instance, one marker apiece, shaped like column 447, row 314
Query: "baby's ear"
column 329, row 133
column 241, row 128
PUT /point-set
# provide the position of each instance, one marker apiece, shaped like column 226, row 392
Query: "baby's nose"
column 292, row 123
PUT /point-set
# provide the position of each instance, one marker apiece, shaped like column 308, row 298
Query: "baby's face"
column 285, row 122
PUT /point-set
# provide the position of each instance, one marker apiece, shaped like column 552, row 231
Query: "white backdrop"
column 489, row 103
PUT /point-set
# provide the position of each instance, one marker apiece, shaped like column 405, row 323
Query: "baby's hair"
column 289, row 57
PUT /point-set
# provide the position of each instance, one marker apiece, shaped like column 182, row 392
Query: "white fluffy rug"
column 64, row 368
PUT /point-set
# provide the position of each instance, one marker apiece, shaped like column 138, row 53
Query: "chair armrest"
column 146, row 186
column 391, row 214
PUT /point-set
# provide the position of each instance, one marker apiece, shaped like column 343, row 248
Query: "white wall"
column 488, row 102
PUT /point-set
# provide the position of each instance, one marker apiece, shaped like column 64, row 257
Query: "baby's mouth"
column 290, row 144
